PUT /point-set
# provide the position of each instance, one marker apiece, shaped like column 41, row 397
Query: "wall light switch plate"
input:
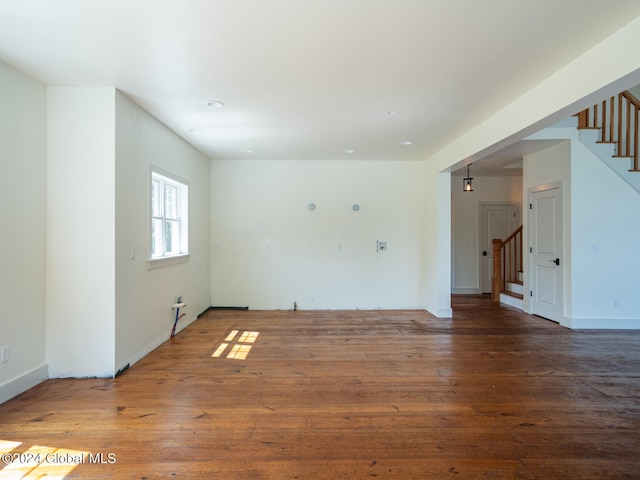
column 382, row 246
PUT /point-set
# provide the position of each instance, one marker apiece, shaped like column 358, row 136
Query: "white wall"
column 551, row 165
column 80, row 275
column 605, row 228
column 105, row 309
column 144, row 297
column 22, row 238
column 465, row 230
column 601, row 222
column 269, row 250
column 435, row 259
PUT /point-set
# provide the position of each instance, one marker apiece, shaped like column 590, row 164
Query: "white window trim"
column 167, row 261
column 184, row 255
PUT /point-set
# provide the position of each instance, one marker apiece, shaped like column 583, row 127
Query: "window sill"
column 167, row 261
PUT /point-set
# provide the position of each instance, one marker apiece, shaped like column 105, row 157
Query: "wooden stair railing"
column 507, row 262
column 617, row 118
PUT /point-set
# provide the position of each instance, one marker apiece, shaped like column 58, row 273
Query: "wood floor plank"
column 490, row 393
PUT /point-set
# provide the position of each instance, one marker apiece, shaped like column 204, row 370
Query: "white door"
column 497, row 221
column 546, row 253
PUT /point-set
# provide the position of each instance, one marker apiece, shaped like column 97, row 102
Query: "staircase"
column 610, row 130
column 507, row 280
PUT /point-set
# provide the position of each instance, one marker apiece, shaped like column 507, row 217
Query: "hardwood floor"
column 492, row 393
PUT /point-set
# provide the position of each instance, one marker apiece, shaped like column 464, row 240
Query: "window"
column 169, row 216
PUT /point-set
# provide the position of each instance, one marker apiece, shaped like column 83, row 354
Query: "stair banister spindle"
column 507, row 264
column 628, row 151
column 611, row 117
column 635, row 152
column 623, row 140
column 635, row 140
column 620, row 122
column 497, row 279
column 519, row 254
column 505, row 247
column 603, row 125
column 512, row 260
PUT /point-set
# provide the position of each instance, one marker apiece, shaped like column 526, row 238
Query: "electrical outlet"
column 4, row 354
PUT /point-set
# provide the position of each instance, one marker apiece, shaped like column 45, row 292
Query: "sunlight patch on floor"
column 38, row 461
column 249, row 337
column 231, row 335
column 239, row 350
column 219, row 350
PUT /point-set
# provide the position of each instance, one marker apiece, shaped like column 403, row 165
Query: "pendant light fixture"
column 466, row 182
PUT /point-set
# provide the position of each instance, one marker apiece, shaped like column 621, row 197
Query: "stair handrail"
column 507, row 262
column 617, row 118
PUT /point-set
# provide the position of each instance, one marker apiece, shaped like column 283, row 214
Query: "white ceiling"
column 308, row 79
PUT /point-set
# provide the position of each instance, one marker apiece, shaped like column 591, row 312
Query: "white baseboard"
column 604, row 323
column 23, row 383
column 155, row 343
column 511, row 301
column 443, row 313
column 466, row 291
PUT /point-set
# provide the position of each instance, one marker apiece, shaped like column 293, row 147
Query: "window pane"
column 169, row 216
column 155, row 198
column 172, row 237
column 156, row 238
column 170, row 201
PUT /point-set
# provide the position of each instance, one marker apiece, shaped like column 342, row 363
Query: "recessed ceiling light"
column 193, row 130
column 406, row 142
column 348, row 150
column 214, row 104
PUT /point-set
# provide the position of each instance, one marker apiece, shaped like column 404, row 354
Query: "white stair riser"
column 511, row 301
column 515, row 288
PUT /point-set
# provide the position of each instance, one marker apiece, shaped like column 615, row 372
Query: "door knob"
column 556, row 261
